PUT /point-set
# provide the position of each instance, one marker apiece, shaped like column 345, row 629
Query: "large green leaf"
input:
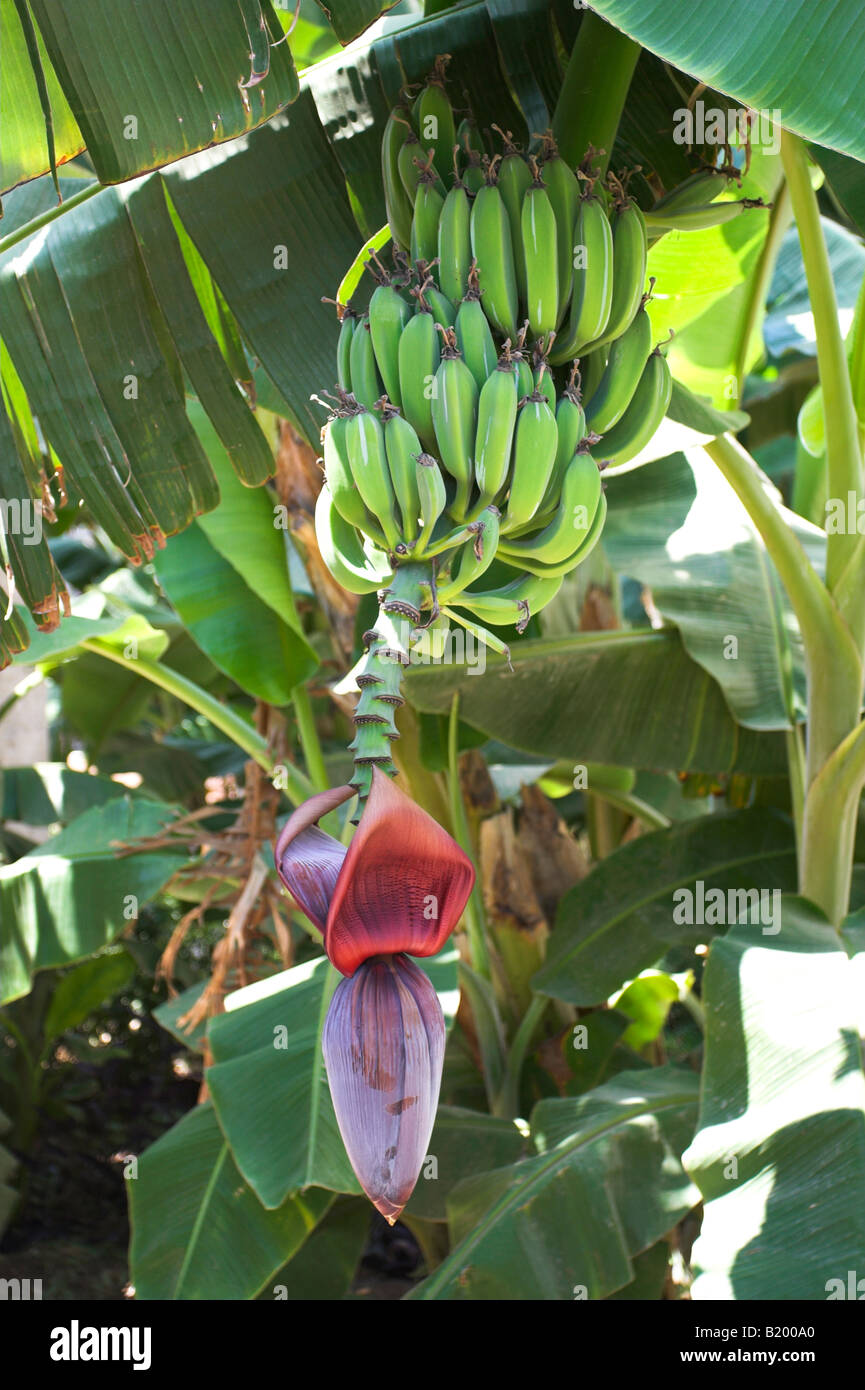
column 48, row 793
column 24, row 149
column 780, row 1146
column 621, row 919
column 803, row 61
column 72, row 895
column 84, row 988
column 138, row 110
column 677, row 526
column 268, row 1062
column 198, row 1231
column 606, row 1184
column 324, row 1266
column 462, row 1142
column 238, row 631
column 633, row 698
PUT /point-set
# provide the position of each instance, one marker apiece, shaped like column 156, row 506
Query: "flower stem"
column 510, row 1094
column 593, row 93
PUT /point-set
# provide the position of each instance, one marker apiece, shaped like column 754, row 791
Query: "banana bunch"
column 503, row 359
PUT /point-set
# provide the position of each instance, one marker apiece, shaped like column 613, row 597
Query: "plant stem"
column 758, row 283
column 297, row 789
column 796, row 770
column 50, row 216
column 309, row 740
column 593, row 93
column 844, row 461
column 510, row 1097
column 474, row 912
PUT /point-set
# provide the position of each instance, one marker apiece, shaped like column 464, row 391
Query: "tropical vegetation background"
column 631, row 1108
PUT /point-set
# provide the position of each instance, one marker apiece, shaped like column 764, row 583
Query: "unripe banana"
column 435, row 118
column 454, row 413
column 410, row 163
column 396, row 200
column 403, row 446
column 576, row 557
column 695, row 191
column 433, row 497
column 473, row 559
column 469, row 137
column 341, row 483
column 563, row 191
column 418, row 358
column 513, row 603
column 425, row 219
column 535, row 441
column 455, row 243
column 570, row 430
column 369, row 469
column 366, row 385
column 630, row 250
column 441, row 308
column 388, row 315
column 348, row 324
column 647, row 409
column 592, row 368
column 514, row 178
column 493, row 251
column 581, row 494
column 342, row 551
column 474, row 176
column 474, row 336
column 497, row 418
column 522, row 357
column 694, row 219
column 592, row 293
column 542, row 377
column 624, row 368
column 538, row 242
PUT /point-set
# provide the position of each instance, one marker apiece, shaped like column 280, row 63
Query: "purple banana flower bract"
column 383, row 1042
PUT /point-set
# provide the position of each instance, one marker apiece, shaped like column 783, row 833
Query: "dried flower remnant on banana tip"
column 397, row 890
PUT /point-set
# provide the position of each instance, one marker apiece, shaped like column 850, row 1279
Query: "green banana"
column 624, row 368
column 396, row 200
column 570, row 562
column 475, row 559
column 454, row 413
column 537, row 239
column 347, row 325
column 441, row 308
column 366, row 385
column 694, row 219
column 469, row 137
column 343, row 553
column 340, row 481
column 513, row 603
column 435, row 118
column 418, row 357
column 367, row 456
column 492, row 249
column 482, row 635
column 474, row 176
column 592, row 294
column 695, row 191
column 455, row 243
column 388, row 315
column 433, row 498
column 563, row 191
column 592, row 368
column 474, row 336
column 535, row 442
column 630, row 249
column 647, row 409
column 403, row 446
column 409, row 164
column 542, row 377
column 514, row 178
column 425, row 219
column 581, row 494
column 497, row 418
column 570, row 430
column 522, row 357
